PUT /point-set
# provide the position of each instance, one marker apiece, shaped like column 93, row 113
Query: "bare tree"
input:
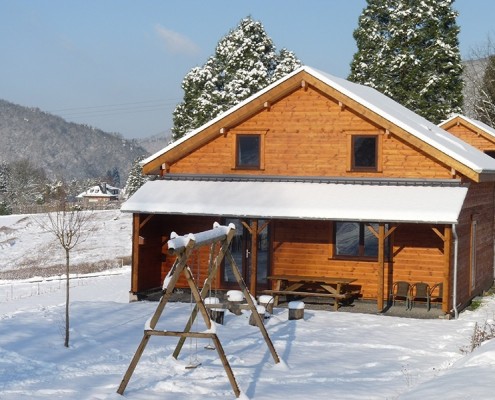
column 70, row 227
column 479, row 90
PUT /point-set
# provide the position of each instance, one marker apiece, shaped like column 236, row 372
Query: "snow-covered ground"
column 24, row 244
column 327, row 355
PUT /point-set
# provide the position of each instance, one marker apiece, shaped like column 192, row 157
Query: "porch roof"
column 301, row 200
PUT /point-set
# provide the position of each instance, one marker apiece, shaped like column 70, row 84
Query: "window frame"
column 361, row 256
column 351, row 164
column 235, row 155
column 238, row 140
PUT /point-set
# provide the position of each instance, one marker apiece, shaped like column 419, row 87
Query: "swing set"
column 182, row 247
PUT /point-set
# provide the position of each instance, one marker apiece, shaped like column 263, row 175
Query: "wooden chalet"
column 323, row 177
column 474, row 132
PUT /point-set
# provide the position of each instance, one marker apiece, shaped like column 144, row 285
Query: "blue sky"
column 118, row 64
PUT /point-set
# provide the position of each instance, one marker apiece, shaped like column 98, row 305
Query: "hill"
column 65, row 150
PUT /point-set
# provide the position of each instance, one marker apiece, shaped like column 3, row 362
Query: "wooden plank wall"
column 151, row 255
column 479, row 204
column 304, row 248
column 307, row 135
column 471, row 137
column 417, row 254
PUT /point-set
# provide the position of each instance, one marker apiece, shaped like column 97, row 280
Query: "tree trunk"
column 66, row 343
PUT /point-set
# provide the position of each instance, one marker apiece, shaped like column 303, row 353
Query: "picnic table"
column 311, row 286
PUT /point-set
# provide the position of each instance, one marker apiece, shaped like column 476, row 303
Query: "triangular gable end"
column 477, row 127
column 369, row 103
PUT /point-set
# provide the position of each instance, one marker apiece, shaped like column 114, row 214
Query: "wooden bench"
column 297, row 285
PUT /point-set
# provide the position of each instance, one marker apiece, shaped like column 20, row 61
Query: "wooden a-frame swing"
column 182, row 247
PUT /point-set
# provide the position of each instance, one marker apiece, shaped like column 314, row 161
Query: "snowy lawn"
column 326, row 355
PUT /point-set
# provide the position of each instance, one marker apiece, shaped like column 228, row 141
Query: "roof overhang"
column 301, row 200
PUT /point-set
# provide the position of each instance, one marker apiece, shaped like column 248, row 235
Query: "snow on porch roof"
column 300, row 200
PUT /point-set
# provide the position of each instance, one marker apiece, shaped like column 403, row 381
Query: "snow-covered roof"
column 383, row 106
column 300, row 200
column 480, row 125
column 99, row 191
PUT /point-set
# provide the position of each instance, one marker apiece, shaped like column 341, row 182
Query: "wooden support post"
column 252, row 306
column 218, row 259
column 174, row 274
column 254, row 256
column 381, row 266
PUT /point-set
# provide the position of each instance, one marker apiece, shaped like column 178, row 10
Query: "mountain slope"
column 63, row 149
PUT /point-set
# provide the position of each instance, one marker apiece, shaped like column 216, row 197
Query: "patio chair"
column 436, row 293
column 420, row 291
column 401, row 290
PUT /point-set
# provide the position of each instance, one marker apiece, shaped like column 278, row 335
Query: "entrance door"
column 248, row 256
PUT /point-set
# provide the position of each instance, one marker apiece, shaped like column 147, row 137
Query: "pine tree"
column 136, row 178
column 409, row 50
column 245, row 61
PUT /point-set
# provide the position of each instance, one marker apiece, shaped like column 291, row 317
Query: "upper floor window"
column 248, row 151
column 364, row 152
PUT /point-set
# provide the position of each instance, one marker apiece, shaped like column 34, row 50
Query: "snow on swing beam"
column 177, row 244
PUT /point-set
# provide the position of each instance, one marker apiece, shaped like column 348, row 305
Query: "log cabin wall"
column 146, row 254
column 305, row 248
column 151, row 255
column 472, row 137
column 307, row 134
column 478, row 207
column 418, row 255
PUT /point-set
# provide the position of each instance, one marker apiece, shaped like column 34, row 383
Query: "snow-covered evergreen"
column 136, row 178
column 244, row 62
column 409, row 50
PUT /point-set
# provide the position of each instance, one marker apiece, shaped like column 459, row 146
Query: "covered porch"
column 300, row 219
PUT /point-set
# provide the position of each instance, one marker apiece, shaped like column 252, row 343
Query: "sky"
column 118, row 64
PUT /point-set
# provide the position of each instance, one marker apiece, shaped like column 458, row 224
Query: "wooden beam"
column 267, row 105
column 254, row 256
column 304, row 85
column 381, row 267
column 146, row 220
column 439, row 234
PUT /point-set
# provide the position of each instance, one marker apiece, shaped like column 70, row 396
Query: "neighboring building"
column 99, row 194
column 472, row 131
column 323, row 177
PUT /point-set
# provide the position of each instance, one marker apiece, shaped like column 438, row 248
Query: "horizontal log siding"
column 307, row 135
column 417, row 255
column 480, row 203
column 154, row 262
column 471, row 137
column 303, row 248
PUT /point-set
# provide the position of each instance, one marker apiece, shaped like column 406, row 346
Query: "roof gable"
column 476, row 126
column 371, row 104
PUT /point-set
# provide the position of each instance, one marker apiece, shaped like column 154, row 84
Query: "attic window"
column 248, row 151
column 364, row 152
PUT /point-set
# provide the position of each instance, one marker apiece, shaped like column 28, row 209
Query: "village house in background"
column 325, row 178
column 99, row 195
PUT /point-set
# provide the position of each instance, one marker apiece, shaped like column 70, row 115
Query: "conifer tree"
column 245, row 61
column 409, row 50
column 136, row 178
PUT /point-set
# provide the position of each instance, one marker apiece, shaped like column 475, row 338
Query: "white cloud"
column 175, row 42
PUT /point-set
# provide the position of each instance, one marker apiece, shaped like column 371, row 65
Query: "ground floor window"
column 355, row 239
